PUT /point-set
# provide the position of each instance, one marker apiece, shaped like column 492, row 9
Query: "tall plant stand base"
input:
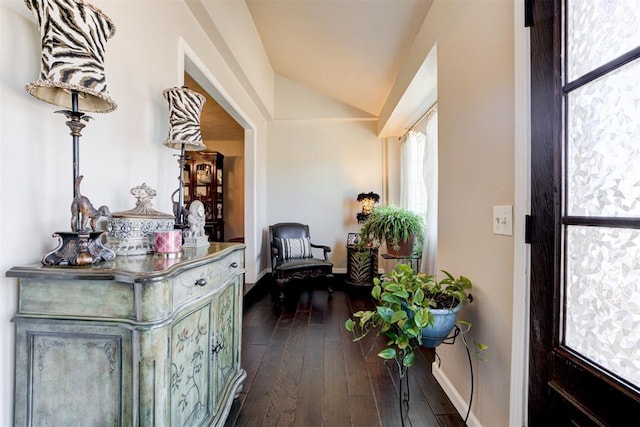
column 411, row 260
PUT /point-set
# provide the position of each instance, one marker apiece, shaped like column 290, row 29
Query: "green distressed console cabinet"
column 137, row 341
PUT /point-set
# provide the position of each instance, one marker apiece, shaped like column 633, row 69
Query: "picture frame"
column 353, row 239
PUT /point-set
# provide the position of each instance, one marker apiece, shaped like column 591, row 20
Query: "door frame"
column 563, row 387
column 190, row 62
column 518, row 402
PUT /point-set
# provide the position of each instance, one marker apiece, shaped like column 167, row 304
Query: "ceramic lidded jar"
column 132, row 232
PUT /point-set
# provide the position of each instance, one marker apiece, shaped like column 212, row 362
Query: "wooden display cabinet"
column 203, row 180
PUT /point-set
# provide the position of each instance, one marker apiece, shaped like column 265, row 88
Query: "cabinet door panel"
column 190, row 368
column 85, row 362
column 226, row 337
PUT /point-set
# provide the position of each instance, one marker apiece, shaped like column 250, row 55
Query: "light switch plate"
column 503, row 220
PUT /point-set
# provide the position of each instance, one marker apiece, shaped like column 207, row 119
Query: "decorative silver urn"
column 132, row 232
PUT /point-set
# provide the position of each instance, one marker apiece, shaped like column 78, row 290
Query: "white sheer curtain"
column 419, row 181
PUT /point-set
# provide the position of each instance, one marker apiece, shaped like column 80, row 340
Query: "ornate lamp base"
column 78, row 248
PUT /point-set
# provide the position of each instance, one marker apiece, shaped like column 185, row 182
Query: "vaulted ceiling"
column 348, row 50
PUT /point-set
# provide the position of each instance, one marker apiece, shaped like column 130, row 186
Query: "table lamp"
column 368, row 201
column 73, row 37
column 185, row 107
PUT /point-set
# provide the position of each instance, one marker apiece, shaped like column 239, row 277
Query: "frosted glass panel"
column 603, row 151
column 599, row 31
column 603, row 298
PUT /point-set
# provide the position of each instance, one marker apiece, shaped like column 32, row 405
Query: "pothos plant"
column 404, row 308
column 404, row 301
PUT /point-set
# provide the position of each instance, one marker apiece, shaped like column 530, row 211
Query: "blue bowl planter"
column 444, row 319
column 443, row 323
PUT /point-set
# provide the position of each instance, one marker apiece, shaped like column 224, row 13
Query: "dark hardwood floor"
column 303, row 369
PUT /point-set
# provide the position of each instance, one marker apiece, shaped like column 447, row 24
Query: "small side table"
column 412, row 260
column 362, row 265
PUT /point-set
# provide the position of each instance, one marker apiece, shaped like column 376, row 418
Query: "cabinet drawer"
column 203, row 280
column 106, row 299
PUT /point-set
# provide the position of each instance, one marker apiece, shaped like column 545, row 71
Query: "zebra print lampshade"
column 73, row 35
column 185, row 107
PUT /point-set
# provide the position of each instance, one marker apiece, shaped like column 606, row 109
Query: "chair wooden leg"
column 282, row 284
column 330, row 282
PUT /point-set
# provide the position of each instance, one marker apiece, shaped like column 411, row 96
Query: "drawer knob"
column 234, row 264
column 201, row 282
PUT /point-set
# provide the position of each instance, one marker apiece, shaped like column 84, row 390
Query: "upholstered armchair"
column 292, row 256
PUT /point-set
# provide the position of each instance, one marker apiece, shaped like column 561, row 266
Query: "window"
column 601, row 172
column 585, row 213
column 419, row 180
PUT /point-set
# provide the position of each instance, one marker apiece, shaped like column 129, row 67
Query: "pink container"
column 168, row 242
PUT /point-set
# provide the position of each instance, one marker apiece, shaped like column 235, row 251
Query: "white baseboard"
column 456, row 398
column 262, row 274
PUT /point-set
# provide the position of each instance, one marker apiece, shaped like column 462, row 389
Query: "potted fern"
column 400, row 228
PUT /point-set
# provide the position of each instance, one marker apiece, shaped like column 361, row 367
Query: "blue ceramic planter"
column 445, row 319
column 443, row 322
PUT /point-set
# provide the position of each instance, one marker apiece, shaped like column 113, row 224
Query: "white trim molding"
column 189, row 61
column 456, row 398
column 522, row 206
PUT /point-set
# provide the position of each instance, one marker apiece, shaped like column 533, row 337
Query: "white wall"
column 475, row 40
column 321, row 155
column 117, row 150
column 230, row 26
column 316, row 170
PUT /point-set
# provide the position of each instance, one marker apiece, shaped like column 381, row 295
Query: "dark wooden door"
column 585, row 223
